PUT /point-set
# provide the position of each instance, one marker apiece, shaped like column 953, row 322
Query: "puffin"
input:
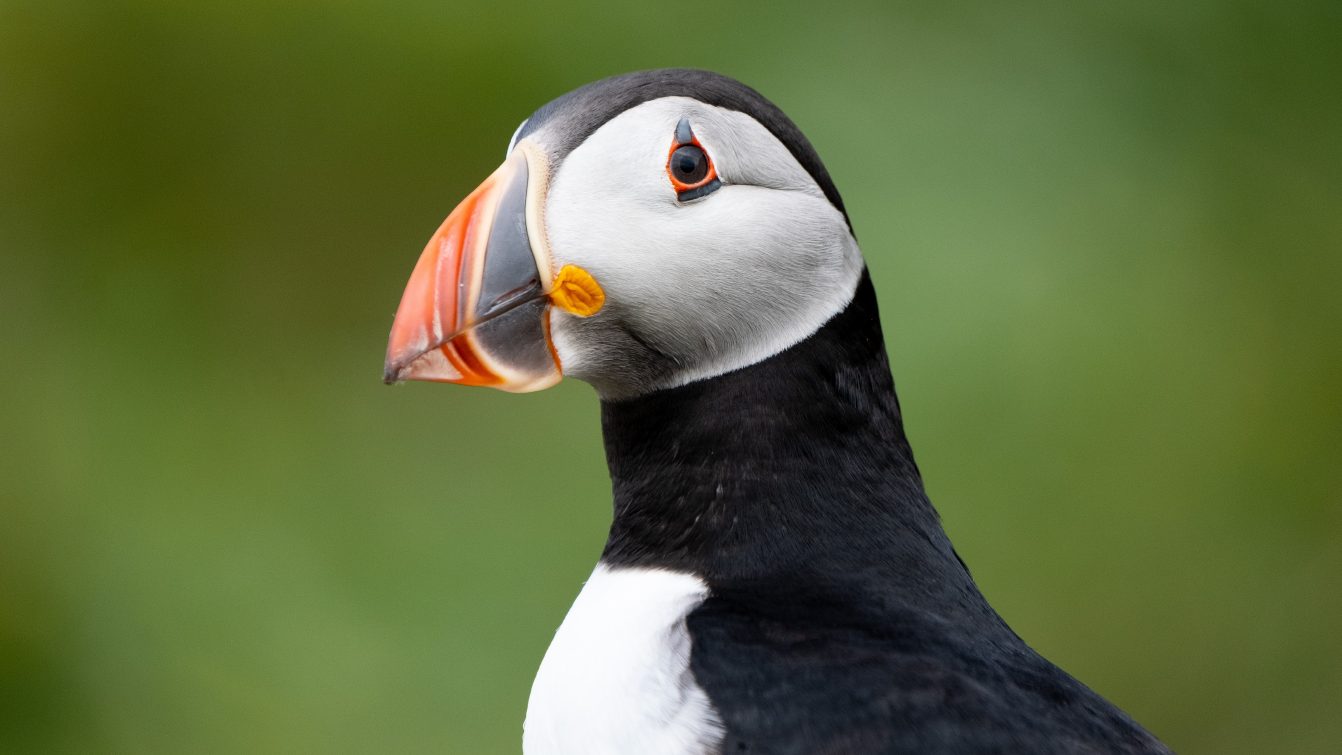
column 775, row 580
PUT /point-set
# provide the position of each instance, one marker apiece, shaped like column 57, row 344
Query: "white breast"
column 616, row 679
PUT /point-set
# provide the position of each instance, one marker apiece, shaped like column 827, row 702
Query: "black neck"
column 791, row 471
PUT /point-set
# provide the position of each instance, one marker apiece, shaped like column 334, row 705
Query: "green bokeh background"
column 1107, row 240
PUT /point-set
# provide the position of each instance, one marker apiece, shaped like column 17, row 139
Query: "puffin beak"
column 475, row 309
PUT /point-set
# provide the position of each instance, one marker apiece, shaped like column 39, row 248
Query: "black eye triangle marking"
column 683, row 133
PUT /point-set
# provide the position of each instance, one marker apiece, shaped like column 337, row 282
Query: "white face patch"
column 693, row 289
column 616, row 679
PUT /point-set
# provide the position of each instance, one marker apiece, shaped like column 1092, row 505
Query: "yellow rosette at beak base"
column 575, row 290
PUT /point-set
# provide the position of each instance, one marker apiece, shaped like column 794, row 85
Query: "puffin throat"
column 792, row 469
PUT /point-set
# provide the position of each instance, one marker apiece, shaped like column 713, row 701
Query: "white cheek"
column 717, row 283
column 564, row 340
column 742, row 257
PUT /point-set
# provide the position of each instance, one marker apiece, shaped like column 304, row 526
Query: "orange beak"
column 475, row 311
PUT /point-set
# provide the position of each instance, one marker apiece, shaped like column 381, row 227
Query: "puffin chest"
column 617, row 678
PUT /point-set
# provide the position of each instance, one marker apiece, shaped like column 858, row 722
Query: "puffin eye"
column 689, row 166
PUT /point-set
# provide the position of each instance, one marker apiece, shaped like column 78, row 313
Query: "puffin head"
column 645, row 231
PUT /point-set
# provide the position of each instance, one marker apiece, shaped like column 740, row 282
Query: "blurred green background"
column 1107, row 240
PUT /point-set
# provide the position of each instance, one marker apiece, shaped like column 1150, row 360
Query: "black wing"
column 808, row 680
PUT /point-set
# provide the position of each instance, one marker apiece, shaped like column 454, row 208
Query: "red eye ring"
column 702, row 185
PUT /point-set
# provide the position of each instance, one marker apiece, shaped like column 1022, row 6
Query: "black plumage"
column 840, row 619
